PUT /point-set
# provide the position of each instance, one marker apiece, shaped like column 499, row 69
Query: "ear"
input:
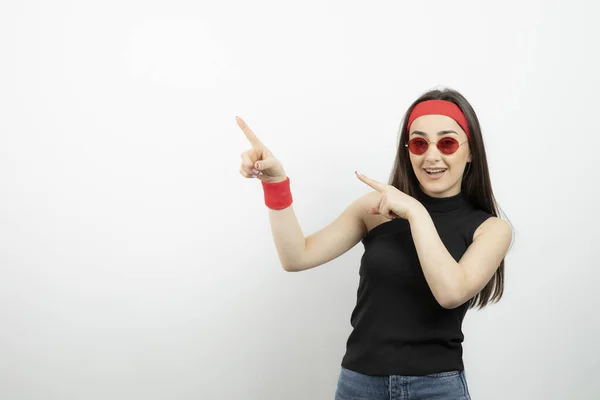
column 470, row 158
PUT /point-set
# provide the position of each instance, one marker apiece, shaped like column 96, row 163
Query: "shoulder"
column 494, row 226
column 367, row 200
column 371, row 197
column 364, row 203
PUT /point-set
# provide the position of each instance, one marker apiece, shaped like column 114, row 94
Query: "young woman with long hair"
column 434, row 248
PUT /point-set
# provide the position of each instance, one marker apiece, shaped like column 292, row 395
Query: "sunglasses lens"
column 448, row 145
column 418, row 146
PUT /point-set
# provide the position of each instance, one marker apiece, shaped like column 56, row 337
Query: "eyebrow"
column 440, row 133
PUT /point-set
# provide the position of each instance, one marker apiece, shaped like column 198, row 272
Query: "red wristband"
column 277, row 195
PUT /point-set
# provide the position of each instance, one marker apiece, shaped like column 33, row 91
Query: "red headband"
column 439, row 107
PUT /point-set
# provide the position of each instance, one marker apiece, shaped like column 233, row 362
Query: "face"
column 448, row 182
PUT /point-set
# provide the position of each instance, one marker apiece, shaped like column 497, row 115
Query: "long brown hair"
column 476, row 185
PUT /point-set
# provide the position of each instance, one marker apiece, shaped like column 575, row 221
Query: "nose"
column 432, row 154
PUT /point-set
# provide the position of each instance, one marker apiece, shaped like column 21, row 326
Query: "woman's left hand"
column 393, row 202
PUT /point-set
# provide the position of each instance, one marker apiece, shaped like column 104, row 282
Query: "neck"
column 441, row 204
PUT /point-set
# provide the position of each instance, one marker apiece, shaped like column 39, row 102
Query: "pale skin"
column 452, row 283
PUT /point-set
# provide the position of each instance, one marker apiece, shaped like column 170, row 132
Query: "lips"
column 435, row 173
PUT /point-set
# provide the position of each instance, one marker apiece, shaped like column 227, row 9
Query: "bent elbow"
column 448, row 301
column 451, row 303
column 289, row 268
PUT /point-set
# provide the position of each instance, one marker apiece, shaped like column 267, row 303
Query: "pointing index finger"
column 371, row 182
column 252, row 138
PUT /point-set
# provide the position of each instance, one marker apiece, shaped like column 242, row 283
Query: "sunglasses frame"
column 436, row 142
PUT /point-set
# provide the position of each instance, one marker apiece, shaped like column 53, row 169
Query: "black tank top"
column 399, row 328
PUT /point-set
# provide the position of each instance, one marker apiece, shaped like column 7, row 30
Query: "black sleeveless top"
column 399, row 328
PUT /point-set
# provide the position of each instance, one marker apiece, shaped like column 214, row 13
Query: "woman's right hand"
column 258, row 161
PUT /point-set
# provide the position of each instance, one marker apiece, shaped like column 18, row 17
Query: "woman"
column 434, row 247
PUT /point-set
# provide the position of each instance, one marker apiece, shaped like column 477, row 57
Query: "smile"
column 435, row 173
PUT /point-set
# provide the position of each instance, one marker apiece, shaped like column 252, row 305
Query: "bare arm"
column 298, row 253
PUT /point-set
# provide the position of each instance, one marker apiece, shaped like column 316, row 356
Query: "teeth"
column 434, row 170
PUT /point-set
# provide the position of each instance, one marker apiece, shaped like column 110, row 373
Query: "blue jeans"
column 451, row 385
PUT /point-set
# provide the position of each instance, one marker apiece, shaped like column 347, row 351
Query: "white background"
column 137, row 263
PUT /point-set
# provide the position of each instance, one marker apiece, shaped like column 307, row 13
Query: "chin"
column 438, row 187
column 435, row 191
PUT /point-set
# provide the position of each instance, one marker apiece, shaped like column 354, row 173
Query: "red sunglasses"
column 447, row 145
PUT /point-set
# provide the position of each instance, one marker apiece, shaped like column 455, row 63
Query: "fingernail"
column 255, row 171
column 257, row 165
